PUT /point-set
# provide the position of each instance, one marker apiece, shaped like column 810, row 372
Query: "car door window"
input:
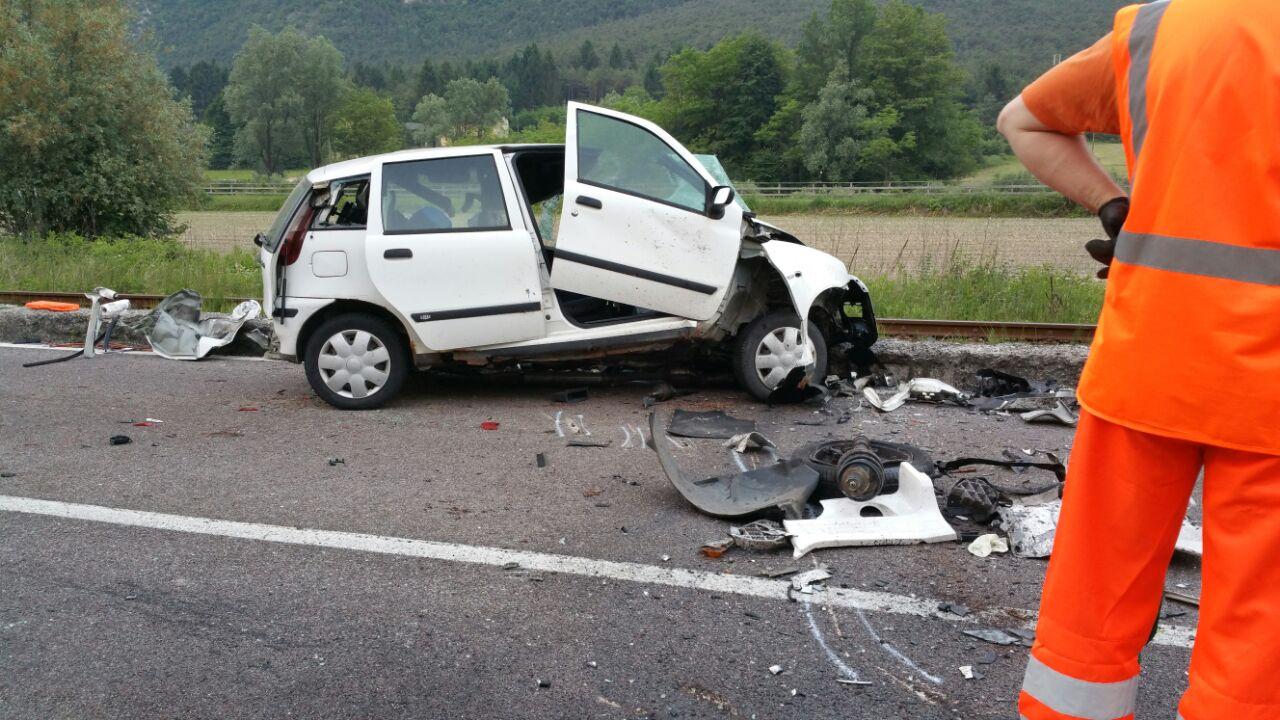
column 620, row 156
column 457, row 194
column 348, row 206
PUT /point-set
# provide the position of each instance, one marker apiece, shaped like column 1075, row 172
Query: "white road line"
column 846, row 672
column 134, row 353
column 479, row 555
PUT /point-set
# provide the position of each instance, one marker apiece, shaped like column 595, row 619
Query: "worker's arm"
column 1060, row 160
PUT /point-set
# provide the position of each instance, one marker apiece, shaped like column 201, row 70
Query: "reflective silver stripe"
column 1142, row 40
column 1260, row 266
column 1079, row 698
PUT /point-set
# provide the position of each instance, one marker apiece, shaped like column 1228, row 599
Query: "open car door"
column 643, row 222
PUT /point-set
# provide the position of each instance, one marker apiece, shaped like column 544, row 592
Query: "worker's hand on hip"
column 1113, row 214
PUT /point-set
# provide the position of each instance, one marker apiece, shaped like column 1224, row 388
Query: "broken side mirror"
column 259, row 239
column 718, row 198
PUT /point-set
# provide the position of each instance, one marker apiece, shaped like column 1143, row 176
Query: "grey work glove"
column 1112, row 214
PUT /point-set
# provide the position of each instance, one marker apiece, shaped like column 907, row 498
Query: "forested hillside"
column 1022, row 35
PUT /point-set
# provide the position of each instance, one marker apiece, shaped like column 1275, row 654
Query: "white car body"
column 494, row 291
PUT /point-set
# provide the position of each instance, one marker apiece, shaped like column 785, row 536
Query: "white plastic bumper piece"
column 907, row 516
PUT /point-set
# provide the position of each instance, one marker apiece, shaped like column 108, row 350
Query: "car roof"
column 365, row 165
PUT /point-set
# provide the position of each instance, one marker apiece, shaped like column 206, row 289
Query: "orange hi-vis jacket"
column 1188, row 345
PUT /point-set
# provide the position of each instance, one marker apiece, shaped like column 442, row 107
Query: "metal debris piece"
column 783, row 485
column 1060, row 414
column 176, row 332
column 957, row 609
column 907, row 516
column 586, row 441
column 851, row 681
column 919, row 389
column 802, row 582
column 1031, row 528
column 749, row 441
column 712, row 424
column 716, row 548
column 1183, row 598
column 759, row 535
column 1190, row 539
column 987, row 544
column 994, row 636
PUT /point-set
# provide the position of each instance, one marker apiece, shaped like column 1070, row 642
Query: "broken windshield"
column 272, row 237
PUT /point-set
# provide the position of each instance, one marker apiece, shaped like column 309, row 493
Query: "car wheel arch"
column 342, row 307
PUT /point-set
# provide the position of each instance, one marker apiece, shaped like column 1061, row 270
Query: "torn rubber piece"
column 975, row 497
column 1055, row 466
column 1060, row 414
column 785, row 486
column 906, row 517
column 712, row 425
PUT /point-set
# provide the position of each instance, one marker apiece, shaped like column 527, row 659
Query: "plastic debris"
column 120, row 440
column 52, row 306
column 713, row 424
column 749, row 441
column 591, row 442
column 919, row 389
column 540, row 460
column 759, row 535
column 775, row 669
column 956, row 609
column 1060, row 414
column 907, row 516
column 334, row 462
column 966, row 671
column 802, row 582
column 995, row 636
column 716, row 548
column 976, row 497
column 489, row 425
column 987, row 544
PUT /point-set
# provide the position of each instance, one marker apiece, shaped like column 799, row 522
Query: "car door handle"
column 397, row 254
column 590, row 202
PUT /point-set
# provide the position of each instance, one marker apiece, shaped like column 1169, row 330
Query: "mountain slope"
column 1021, row 34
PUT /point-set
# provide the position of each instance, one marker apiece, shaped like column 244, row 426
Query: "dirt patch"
column 223, row 231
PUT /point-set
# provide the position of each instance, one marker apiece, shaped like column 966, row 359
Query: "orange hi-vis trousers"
column 1125, row 498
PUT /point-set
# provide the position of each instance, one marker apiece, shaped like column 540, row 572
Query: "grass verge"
column 70, row 263
column 989, row 291
column 993, row 204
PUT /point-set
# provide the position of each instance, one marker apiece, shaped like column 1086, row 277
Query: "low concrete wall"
column 950, row 362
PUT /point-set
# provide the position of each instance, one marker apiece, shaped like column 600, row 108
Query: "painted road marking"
column 858, row 600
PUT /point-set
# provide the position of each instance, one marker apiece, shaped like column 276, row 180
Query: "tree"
column 825, row 42
column 282, row 91
column 366, row 125
column 617, row 60
column 532, row 78
column 429, row 80
column 841, row 138
column 469, row 111
column 586, row 58
column 91, row 137
column 222, row 134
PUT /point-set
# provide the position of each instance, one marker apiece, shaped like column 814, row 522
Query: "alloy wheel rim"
column 354, row 364
column 778, row 353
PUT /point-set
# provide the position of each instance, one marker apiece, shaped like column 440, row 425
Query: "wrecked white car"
column 619, row 242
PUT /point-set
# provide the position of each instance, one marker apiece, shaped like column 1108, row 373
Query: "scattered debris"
column 120, row 440
column 572, row 395
column 540, row 460
column 956, row 609
column 785, row 485
column 1190, row 539
column 334, row 462
column 713, row 424
column 759, row 535
column 52, row 306
column 987, row 544
column 749, row 441
column 993, row 383
column 795, row 388
column 994, row 636
column 907, row 516
column 975, row 497
column 967, row 671
column 1031, row 528
column 589, row 442
column 592, row 491
column 802, row 582
column 176, row 332
column 1059, row 414
column 7, row 475
column 775, row 669
column 716, row 548
column 248, row 408
column 1183, row 598
column 919, row 389
column 852, row 681
column 489, row 425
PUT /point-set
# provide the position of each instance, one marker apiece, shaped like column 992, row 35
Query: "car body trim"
column 477, row 312
column 636, row 272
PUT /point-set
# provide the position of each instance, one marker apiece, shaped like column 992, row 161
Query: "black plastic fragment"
column 572, row 395
column 713, row 424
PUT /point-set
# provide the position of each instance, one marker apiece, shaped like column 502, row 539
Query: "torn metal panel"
column 176, row 332
column 906, row 517
column 785, row 486
column 1060, row 414
column 919, row 389
column 1031, row 528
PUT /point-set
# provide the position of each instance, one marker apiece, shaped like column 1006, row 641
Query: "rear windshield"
column 275, row 233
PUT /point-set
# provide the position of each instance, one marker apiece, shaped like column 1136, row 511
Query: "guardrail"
column 246, row 187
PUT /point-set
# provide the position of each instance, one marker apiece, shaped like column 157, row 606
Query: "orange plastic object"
column 52, row 306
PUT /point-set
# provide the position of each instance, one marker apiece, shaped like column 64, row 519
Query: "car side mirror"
column 718, row 198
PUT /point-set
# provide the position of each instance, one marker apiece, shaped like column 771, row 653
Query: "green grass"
column 69, row 263
column 238, row 203
column 989, row 291
column 991, row 204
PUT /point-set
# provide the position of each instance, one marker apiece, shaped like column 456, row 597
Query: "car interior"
column 541, row 176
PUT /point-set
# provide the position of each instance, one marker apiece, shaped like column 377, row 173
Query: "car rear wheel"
column 356, row 362
column 768, row 348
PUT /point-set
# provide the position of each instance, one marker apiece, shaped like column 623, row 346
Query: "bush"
column 993, row 204
column 91, row 138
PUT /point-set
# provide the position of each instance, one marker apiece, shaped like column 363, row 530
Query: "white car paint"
column 808, row 273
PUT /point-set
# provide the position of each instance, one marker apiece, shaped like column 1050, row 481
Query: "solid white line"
column 479, row 555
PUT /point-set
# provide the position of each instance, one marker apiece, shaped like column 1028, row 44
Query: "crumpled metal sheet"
column 919, row 389
column 1031, row 530
column 1060, row 414
column 176, row 332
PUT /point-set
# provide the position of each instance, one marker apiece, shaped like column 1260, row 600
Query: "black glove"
column 1113, row 214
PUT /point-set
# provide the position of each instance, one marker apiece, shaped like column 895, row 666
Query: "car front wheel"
column 768, row 348
column 356, row 362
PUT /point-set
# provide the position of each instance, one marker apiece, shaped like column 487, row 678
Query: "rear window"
column 458, row 194
column 275, row 233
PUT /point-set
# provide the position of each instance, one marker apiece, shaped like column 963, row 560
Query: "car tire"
column 750, row 350
column 365, row 351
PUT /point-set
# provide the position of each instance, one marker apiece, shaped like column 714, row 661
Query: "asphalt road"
column 145, row 616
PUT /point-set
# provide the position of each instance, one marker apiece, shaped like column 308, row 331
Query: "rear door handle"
column 590, row 202
column 397, row 254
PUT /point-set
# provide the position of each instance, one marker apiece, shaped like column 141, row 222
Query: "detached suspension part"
column 860, row 472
